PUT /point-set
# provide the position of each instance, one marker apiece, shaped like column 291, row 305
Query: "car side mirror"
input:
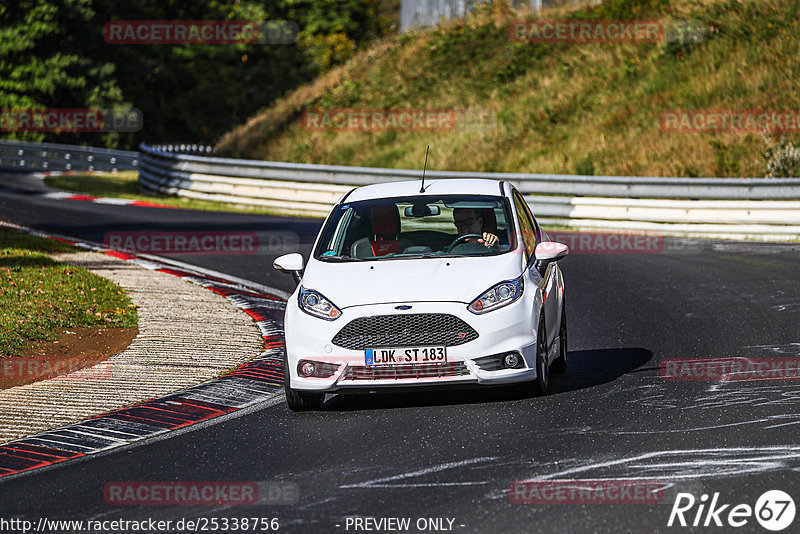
column 548, row 252
column 292, row 264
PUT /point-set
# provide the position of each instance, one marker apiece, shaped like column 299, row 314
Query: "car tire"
column 560, row 364
column 542, row 380
column 300, row 401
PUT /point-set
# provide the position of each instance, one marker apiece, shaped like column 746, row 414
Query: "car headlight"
column 497, row 296
column 313, row 303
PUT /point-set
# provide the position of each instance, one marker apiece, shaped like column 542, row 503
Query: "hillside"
column 588, row 108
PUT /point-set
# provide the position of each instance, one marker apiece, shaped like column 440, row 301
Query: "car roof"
column 435, row 186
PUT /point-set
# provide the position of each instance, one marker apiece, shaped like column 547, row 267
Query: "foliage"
column 593, row 108
column 782, row 159
column 53, row 55
column 49, row 60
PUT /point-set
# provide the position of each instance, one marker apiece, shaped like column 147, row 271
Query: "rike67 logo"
column 774, row 510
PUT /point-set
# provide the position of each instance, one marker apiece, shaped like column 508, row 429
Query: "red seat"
column 385, row 229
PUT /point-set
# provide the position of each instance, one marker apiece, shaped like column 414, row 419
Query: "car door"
column 554, row 285
column 532, row 235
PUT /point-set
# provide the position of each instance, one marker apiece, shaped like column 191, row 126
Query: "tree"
column 43, row 63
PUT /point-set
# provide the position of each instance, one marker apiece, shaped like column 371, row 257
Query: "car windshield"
column 417, row 227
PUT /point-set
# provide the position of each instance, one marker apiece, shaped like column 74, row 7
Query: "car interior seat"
column 385, row 236
column 489, row 220
column 490, row 225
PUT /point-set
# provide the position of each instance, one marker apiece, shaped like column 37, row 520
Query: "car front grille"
column 397, row 372
column 406, row 330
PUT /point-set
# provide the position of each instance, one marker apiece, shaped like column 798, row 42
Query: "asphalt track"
column 454, row 454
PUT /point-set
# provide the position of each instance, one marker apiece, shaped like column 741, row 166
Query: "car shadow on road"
column 586, row 369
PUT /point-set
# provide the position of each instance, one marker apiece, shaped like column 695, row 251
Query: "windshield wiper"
column 473, row 255
column 416, row 255
column 419, row 255
column 338, row 258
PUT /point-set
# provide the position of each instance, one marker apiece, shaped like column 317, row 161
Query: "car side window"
column 526, row 226
column 536, row 228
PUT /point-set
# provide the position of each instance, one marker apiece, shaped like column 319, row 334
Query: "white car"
column 447, row 283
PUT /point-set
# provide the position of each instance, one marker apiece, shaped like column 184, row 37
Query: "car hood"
column 414, row 280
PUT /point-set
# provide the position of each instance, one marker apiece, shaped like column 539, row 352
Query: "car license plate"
column 401, row 355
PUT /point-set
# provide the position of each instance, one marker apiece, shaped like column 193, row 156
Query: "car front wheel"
column 542, row 368
column 560, row 365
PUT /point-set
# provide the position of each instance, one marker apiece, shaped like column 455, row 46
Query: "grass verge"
column 40, row 297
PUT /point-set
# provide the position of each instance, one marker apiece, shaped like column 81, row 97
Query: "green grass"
column 559, row 108
column 39, row 297
column 125, row 185
column 120, row 184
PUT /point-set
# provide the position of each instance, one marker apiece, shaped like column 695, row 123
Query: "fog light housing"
column 511, row 360
column 307, row 368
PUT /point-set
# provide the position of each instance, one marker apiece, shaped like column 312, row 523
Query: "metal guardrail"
column 740, row 208
column 542, row 184
column 722, row 207
column 185, row 148
column 33, row 157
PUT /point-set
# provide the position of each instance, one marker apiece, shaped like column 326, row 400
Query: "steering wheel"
column 464, row 237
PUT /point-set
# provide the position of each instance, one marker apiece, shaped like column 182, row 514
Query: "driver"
column 470, row 221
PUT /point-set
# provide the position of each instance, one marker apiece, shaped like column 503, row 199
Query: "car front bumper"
column 512, row 328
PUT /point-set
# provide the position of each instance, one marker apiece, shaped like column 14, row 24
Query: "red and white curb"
column 64, row 195
column 250, row 384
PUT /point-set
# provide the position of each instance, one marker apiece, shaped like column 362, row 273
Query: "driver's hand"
column 489, row 239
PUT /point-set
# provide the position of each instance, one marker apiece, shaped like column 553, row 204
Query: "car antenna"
column 422, row 188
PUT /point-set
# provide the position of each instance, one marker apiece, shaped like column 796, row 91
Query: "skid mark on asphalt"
column 795, row 420
column 791, row 349
column 780, row 403
column 393, row 480
column 676, row 468
column 688, row 464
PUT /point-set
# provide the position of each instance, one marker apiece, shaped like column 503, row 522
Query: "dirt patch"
column 77, row 349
